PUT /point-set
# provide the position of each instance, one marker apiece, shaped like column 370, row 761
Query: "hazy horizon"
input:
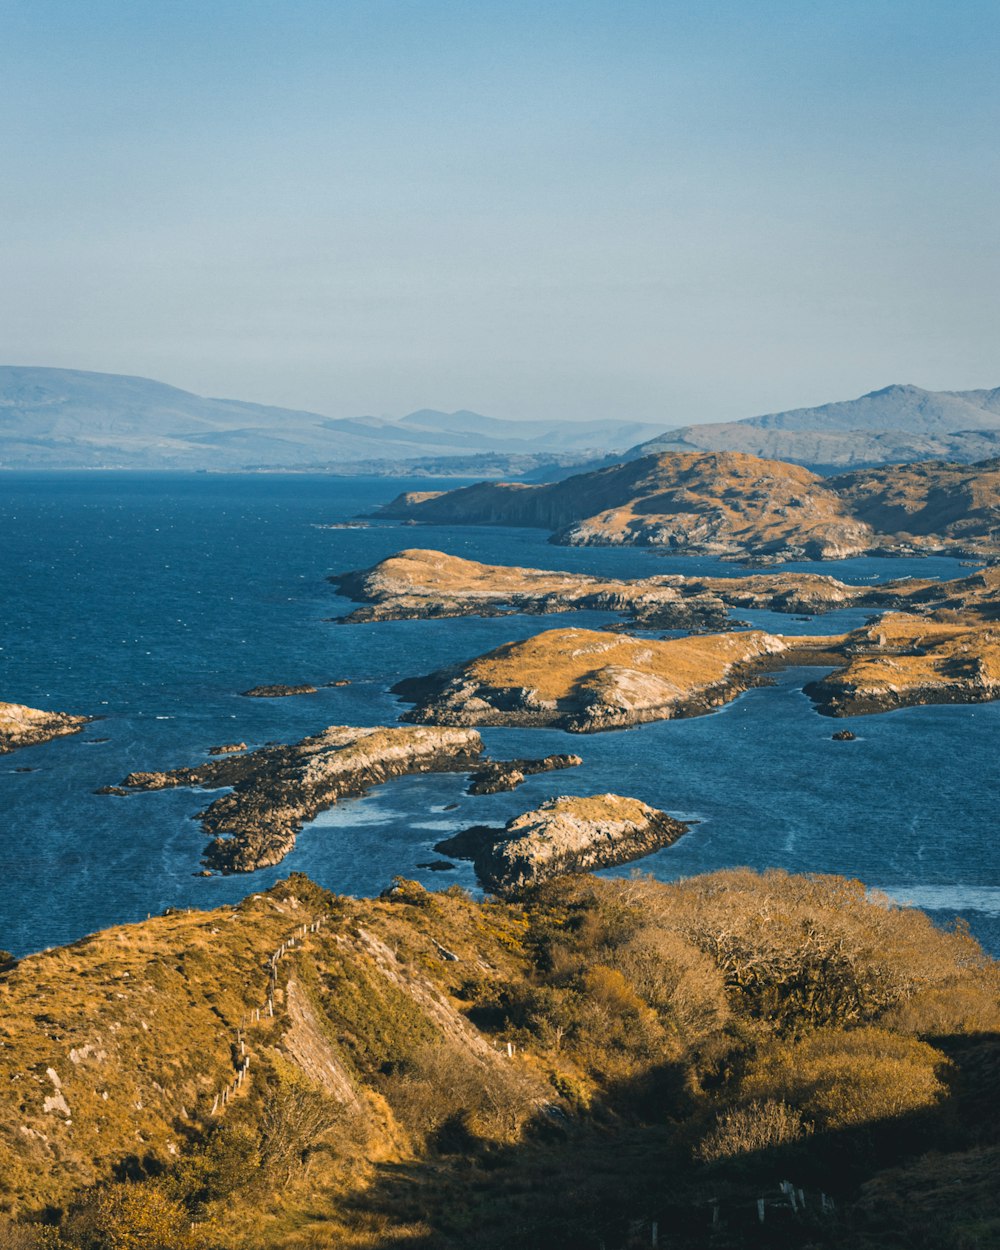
column 647, row 211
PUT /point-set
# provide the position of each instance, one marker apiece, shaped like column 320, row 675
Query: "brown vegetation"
column 734, row 504
column 578, row 1064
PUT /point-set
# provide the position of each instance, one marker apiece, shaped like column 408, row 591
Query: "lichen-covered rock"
column 566, row 834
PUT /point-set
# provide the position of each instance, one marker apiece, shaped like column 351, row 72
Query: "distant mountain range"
column 69, row 419
column 891, row 426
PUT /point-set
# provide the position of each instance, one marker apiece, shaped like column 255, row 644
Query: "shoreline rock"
column 22, row 726
column 276, row 789
column 276, row 691
column 565, row 834
column 499, row 775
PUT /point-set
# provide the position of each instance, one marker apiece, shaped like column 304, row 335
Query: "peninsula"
column 425, row 584
column 584, row 681
column 737, row 506
column 277, row 788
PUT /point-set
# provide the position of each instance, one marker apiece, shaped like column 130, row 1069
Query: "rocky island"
column 738, row 506
column 565, row 834
column 586, row 680
column 22, row 726
column 277, row 788
column 426, row 584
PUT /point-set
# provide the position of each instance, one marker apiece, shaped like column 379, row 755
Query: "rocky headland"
column 565, row 834
column 738, row 506
column 905, row 661
column 426, row 584
column 586, row 680
column 277, row 788
column 22, row 726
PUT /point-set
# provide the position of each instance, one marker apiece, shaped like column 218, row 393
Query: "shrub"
column 134, row 1215
column 839, row 1079
column 758, row 1125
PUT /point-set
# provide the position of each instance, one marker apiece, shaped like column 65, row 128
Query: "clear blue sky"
column 674, row 211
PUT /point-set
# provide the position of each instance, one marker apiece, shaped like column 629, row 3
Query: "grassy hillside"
column 728, row 503
column 566, row 1070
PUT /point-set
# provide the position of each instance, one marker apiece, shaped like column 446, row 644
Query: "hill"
column 734, row 505
column 580, row 1066
column 892, row 425
column 67, row 418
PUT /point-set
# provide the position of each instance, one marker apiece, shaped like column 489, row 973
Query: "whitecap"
column 981, row 898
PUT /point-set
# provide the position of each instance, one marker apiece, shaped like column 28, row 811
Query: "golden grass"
column 557, row 662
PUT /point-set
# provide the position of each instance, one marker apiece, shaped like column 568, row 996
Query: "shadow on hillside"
column 922, row 1181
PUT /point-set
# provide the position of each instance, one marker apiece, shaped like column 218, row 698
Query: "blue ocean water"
column 152, row 600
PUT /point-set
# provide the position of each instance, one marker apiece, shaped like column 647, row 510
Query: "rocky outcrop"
column 426, row 584
column 724, row 504
column 276, row 692
column 734, row 505
column 22, row 726
column 228, row 748
column 584, row 680
column 277, row 788
column 566, row 834
column 497, row 775
column 904, row 661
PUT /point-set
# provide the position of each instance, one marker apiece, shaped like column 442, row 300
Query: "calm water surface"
column 151, row 600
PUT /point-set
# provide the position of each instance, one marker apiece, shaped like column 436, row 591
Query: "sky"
column 671, row 212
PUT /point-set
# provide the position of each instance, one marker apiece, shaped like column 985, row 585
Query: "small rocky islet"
column 565, row 834
column 22, row 726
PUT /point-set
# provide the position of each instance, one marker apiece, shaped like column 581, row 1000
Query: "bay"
column 151, row 600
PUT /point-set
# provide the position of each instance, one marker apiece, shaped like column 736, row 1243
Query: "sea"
column 149, row 601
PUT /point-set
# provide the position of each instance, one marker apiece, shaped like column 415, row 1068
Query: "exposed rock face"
column 565, row 834
column 277, row 788
column 497, row 775
column 844, row 735
column 585, row 680
column 735, row 505
column 22, row 726
column 276, row 692
column 228, row 748
column 427, row 584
